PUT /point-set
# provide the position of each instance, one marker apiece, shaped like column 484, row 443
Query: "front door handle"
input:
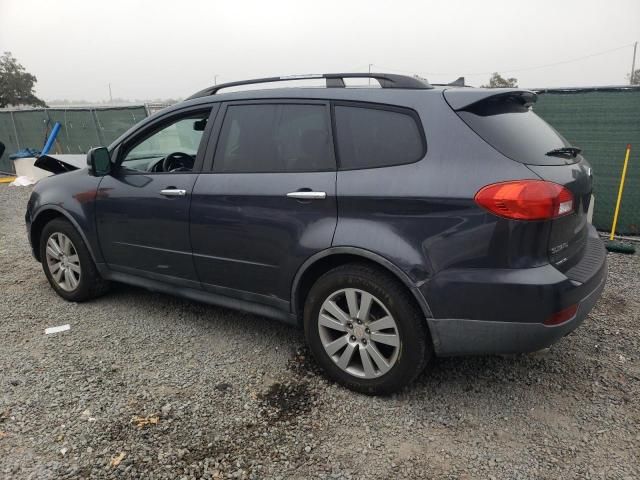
column 307, row 195
column 173, row 192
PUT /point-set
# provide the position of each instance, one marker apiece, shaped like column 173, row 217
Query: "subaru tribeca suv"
column 392, row 223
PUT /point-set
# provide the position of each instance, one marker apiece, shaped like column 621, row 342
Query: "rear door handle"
column 173, row 192
column 307, row 195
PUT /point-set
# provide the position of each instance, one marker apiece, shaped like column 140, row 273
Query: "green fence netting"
column 31, row 128
column 9, row 138
column 80, row 130
column 602, row 123
column 113, row 123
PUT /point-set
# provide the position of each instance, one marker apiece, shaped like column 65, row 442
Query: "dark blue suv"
column 392, row 223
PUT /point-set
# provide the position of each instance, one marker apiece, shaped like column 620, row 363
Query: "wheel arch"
column 323, row 261
column 44, row 215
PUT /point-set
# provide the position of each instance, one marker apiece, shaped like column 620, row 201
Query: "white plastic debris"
column 22, row 182
column 61, row 328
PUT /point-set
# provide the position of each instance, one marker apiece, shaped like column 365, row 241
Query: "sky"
column 149, row 49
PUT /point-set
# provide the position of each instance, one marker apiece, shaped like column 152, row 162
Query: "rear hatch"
column 505, row 119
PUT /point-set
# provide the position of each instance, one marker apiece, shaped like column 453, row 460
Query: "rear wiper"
column 564, row 152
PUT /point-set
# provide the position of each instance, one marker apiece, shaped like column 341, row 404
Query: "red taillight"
column 562, row 316
column 526, row 199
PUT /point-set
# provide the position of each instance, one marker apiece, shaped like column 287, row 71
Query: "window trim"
column 146, row 131
column 214, row 139
column 377, row 106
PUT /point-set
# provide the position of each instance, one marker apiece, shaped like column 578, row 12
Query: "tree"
column 636, row 77
column 497, row 81
column 16, row 84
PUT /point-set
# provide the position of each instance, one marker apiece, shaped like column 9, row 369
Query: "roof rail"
column 334, row 80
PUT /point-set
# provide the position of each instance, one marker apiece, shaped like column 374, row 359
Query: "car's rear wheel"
column 365, row 330
column 67, row 263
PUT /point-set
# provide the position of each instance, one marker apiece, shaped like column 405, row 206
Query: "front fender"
column 70, row 195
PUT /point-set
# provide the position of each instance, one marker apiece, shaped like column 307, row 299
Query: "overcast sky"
column 159, row 49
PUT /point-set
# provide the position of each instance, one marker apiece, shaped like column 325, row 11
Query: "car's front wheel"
column 68, row 264
column 365, row 330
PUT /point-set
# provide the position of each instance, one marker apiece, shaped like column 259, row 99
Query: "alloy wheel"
column 359, row 333
column 63, row 261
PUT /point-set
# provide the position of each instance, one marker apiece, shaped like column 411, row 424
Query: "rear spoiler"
column 60, row 163
column 460, row 99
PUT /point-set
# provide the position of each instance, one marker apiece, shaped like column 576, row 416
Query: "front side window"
column 172, row 148
column 274, row 138
column 376, row 137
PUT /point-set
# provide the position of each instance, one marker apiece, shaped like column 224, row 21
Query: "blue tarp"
column 24, row 153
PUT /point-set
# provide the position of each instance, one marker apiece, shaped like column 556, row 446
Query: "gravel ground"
column 149, row 386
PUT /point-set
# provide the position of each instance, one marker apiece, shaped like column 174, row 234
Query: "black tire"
column 90, row 283
column 415, row 347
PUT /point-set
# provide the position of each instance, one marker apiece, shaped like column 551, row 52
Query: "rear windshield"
column 515, row 131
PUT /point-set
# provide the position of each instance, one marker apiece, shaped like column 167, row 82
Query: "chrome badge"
column 559, row 248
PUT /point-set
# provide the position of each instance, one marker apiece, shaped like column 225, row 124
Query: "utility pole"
column 633, row 63
column 215, row 79
column 370, row 65
column 110, row 96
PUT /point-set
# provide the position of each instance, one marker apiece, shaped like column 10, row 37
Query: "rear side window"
column 515, row 131
column 275, row 138
column 376, row 137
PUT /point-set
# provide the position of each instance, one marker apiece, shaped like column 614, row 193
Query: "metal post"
column 633, row 64
column 370, row 65
column 66, row 132
column 15, row 130
column 98, row 126
column 624, row 174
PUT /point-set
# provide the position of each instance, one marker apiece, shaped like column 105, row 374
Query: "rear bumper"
column 513, row 306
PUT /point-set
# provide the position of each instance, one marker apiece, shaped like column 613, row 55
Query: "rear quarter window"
column 370, row 137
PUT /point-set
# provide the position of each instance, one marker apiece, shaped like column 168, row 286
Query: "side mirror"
column 99, row 161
